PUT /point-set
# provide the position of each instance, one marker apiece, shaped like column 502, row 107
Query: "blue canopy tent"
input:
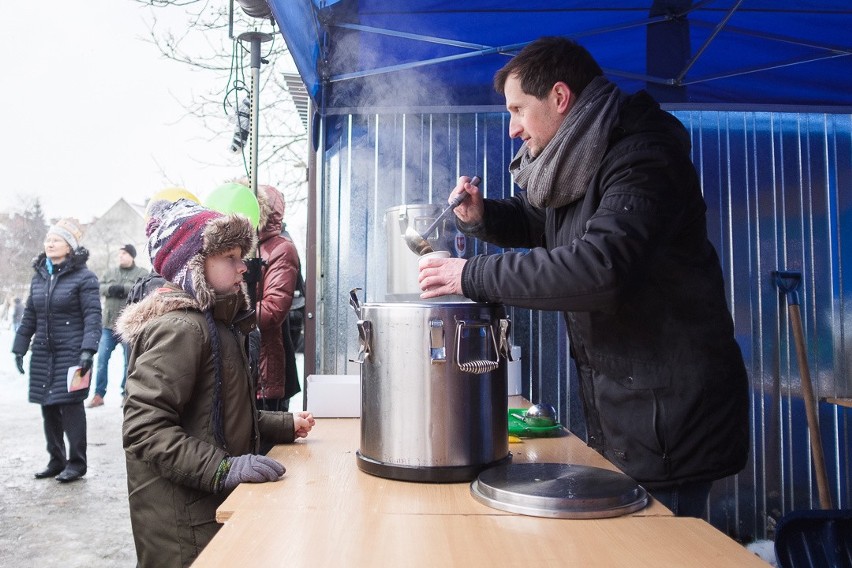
column 745, row 52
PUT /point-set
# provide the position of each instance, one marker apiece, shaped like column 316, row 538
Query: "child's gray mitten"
column 250, row 468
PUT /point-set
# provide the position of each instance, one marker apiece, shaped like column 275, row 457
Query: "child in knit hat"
column 191, row 431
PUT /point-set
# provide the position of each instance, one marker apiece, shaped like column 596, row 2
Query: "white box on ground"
column 333, row 396
column 513, row 370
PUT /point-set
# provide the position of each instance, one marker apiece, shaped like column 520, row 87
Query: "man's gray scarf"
column 560, row 174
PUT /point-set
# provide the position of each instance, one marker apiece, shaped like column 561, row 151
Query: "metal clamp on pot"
column 433, row 389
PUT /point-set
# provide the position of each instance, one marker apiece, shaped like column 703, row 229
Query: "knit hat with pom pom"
column 182, row 234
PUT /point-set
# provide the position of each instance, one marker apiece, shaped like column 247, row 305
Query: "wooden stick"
column 810, row 407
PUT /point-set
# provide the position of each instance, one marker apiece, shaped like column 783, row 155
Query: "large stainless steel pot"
column 433, row 389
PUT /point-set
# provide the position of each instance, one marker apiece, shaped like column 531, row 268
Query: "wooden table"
column 326, row 512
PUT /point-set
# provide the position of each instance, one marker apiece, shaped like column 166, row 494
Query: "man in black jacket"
column 614, row 220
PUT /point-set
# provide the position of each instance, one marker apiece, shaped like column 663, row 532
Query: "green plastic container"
column 519, row 428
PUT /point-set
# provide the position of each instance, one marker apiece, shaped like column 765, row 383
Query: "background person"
column 293, row 330
column 17, row 313
column 115, row 285
column 191, row 430
column 614, row 220
column 6, row 314
column 61, row 324
column 277, row 380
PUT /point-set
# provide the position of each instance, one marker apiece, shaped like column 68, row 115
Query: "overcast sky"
column 92, row 113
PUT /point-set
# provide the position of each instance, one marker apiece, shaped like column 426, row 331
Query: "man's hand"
column 440, row 276
column 472, row 209
column 116, row 291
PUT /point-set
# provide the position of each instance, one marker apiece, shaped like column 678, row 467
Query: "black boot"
column 69, row 475
column 51, row 471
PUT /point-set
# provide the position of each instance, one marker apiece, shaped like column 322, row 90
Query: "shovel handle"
column 810, row 408
column 789, row 283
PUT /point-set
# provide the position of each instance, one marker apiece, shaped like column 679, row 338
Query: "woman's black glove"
column 19, row 361
column 86, row 361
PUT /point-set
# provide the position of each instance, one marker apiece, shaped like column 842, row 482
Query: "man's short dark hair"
column 545, row 62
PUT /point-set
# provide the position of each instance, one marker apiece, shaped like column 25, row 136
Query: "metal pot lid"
column 558, row 490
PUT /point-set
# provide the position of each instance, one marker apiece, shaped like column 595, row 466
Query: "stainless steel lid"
column 558, row 490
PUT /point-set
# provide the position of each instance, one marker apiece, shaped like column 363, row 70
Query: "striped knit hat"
column 182, row 234
column 69, row 230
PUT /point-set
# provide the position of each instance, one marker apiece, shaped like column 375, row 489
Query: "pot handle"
column 365, row 340
column 505, row 346
column 481, row 366
column 403, row 220
column 365, row 329
column 353, row 301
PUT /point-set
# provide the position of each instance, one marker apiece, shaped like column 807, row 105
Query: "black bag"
column 143, row 286
column 293, row 334
column 295, row 322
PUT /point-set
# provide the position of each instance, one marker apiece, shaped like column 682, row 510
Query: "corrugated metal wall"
column 779, row 194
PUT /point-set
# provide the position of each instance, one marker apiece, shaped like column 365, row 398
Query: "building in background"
column 122, row 223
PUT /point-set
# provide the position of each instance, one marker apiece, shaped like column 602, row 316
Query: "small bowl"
column 540, row 415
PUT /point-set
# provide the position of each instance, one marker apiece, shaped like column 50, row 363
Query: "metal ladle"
column 417, row 241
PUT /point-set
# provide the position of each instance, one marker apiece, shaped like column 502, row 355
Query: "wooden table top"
column 322, row 473
column 327, row 512
column 316, row 537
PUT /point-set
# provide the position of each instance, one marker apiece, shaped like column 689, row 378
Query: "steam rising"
column 399, row 91
column 400, row 145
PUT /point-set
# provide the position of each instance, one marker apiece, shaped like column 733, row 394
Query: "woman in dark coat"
column 62, row 326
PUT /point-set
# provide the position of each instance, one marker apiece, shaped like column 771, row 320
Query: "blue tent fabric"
column 387, row 54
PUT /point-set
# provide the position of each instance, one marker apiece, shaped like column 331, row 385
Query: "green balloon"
column 234, row 198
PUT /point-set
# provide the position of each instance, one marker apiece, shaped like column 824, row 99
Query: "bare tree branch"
column 204, row 45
